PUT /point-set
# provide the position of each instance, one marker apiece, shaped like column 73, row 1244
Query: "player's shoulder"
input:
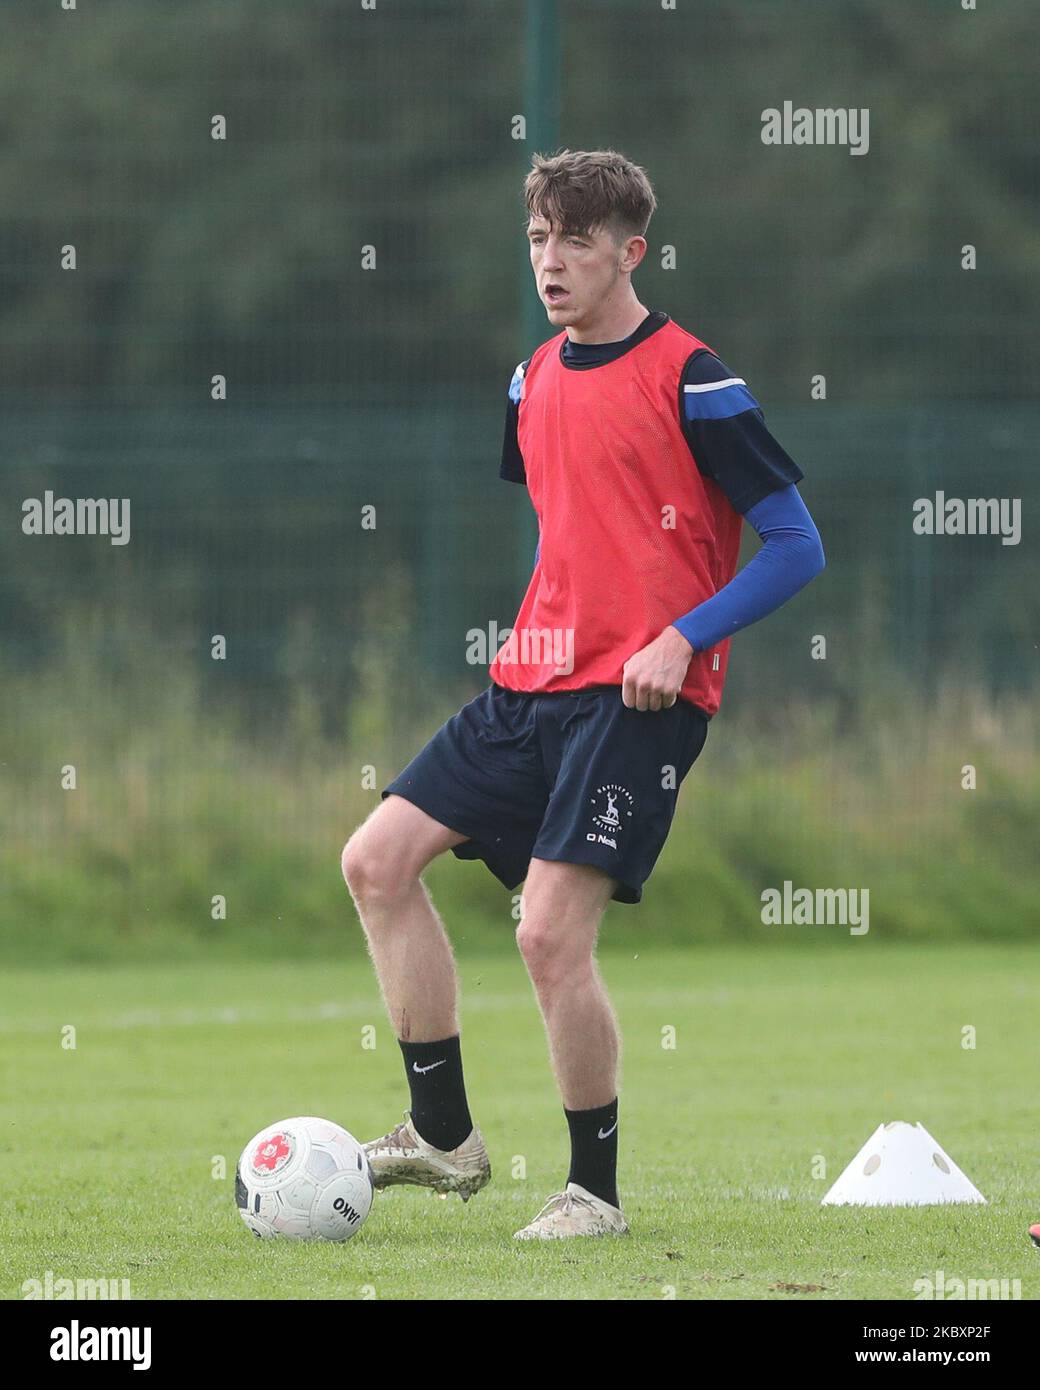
column 705, row 365
column 701, row 364
column 681, row 342
column 522, row 370
column 711, row 389
column 516, row 384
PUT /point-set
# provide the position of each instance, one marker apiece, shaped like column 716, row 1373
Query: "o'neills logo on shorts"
column 613, row 805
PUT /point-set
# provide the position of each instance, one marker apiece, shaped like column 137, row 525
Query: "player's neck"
column 612, row 326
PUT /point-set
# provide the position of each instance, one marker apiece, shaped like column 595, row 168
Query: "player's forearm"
column 791, row 555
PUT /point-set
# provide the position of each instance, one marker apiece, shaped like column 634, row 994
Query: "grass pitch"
column 119, row 1153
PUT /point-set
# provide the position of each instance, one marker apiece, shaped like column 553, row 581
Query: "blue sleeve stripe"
column 718, row 400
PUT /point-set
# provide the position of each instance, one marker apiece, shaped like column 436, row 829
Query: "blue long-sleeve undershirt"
column 791, row 555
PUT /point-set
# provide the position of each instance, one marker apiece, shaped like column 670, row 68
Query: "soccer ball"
column 304, row 1179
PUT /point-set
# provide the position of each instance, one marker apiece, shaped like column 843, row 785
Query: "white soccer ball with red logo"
column 304, row 1179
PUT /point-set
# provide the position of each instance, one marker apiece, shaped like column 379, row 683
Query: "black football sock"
column 439, row 1110
column 594, row 1150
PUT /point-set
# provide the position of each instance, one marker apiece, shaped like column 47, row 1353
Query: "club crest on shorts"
column 613, row 804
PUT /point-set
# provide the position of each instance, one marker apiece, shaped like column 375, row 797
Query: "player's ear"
column 635, row 249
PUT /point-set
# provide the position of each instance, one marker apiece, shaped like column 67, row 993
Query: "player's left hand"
column 652, row 679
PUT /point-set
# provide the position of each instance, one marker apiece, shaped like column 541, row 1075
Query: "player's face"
column 576, row 275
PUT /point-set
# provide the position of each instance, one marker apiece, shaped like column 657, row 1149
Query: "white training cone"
column 901, row 1165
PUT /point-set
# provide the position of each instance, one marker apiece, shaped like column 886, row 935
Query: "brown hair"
column 579, row 191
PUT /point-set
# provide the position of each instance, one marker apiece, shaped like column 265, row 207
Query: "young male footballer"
column 642, row 453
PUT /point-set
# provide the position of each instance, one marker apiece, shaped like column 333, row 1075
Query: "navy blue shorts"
column 574, row 776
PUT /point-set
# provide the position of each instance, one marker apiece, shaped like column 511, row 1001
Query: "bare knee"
column 384, row 858
column 551, row 958
column 373, row 870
